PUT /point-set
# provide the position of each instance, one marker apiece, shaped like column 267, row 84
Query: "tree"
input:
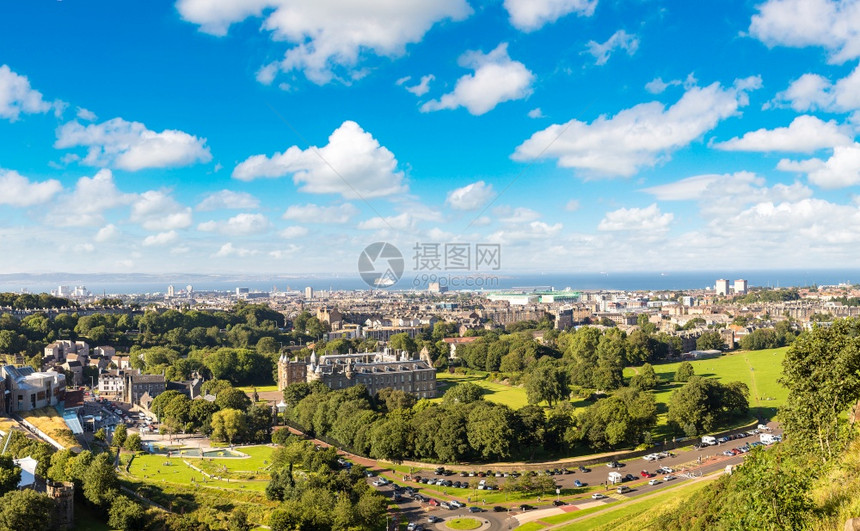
column 402, row 341
column 685, row 372
column 547, row 382
column 463, row 393
column 711, row 340
column 268, row 345
column 238, row 520
column 233, row 399
column 125, row 514
column 10, row 474
column 702, row 404
column 227, row 424
column 133, row 443
column 26, row 509
column 120, row 433
column 100, row 435
column 645, row 379
column 490, row 431
column 100, row 481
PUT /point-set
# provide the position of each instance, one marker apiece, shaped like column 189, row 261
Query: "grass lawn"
column 561, row 518
column 514, row 397
column 531, row 526
column 158, row 470
column 259, row 388
column 759, row 369
column 628, row 510
column 463, row 523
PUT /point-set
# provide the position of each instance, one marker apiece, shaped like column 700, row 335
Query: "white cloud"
column 840, row 170
column 399, row 222
column 536, row 113
column 797, row 226
column 648, row 219
column 228, row 199
column 162, row 238
column 530, row 15
column 515, row 216
column 229, row 250
column 423, row 87
column 87, row 204
column 470, row 197
column 240, row 224
column 620, row 40
column 640, row 136
column 312, row 213
column 527, row 232
column 726, row 193
column 496, row 79
column 107, row 233
column 811, row 91
column 19, row 191
column 157, row 211
column 572, row 205
column 17, row 97
column 830, row 24
column 327, row 36
column 657, row 85
column 363, row 167
column 86, row 114
column 131, row 146
column 294, row 231
column 805, row 134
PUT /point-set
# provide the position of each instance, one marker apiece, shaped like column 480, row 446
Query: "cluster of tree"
column 769, row 295
column 94, row 476
column 29, row 301
column 761, row 338
column 324, row 495
column 703, row 404
column 231, row 418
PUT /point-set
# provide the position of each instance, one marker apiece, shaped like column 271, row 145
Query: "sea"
column 109, row 284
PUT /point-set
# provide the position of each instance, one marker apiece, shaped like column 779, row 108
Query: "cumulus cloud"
column 131, row 146
column 327, row 37
column 658, row 86
column 107, row 233
column 515, row 216
column 534, row 230
column 531, row 15
column 402, row 221
column 229, row 250
column 18, row 97
column 422, row 87
column 294, row 231
column 85, row 114
column 88, row 202
column 240, row 224
column 648, row 219
column 811, row 92
column 640, row 136
column 805, row 134
column 18, row 191
column 311, row 213
column 536, row 113
column 840, row 170
column 831, row 24
column 798, row 225
column 496, row 79
column 162, row 238
column 723, row 194
column 228, row 199
column 157, row 211
column 470, row 197
column 352, row 164
column 620, row 40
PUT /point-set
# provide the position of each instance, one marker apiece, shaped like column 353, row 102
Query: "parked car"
column 499, row 509
column 445, row 505
column 434, row 519
column 629, row 477
column 456, row 504
column 578, row 483
column 526, row 507
column 613, row 464
column 584, row 469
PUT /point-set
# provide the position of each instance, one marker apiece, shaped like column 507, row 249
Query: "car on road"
column 559, row 503
column 474, row 509
column 445, row 505
column 526, row 507
column 654, row 482
column 598, row 496
column 434, row 519
column 622, row 489
column 499, row 509
column 455, row 504
column 669, row 477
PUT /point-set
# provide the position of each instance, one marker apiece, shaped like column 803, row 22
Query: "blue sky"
column 283, row 136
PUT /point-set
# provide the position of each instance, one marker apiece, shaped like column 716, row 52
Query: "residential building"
column 740, row 287
column 309, row 293
column 722, row 287
column 136, row 385
column 111, row 383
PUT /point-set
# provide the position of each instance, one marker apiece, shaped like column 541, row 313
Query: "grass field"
column 514, row 397
column 259, row 388
column 624, row 512
column 157, row 469
column 531, row 526
column 759, row 369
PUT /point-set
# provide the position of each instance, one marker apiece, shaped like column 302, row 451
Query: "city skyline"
column 283, row 136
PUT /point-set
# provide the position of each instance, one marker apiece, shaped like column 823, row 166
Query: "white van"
column 708, row 440
column 768, row 438
column 615, row 477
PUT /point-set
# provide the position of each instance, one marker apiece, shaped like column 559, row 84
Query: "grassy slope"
column 152, row 469
column 514, row 397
